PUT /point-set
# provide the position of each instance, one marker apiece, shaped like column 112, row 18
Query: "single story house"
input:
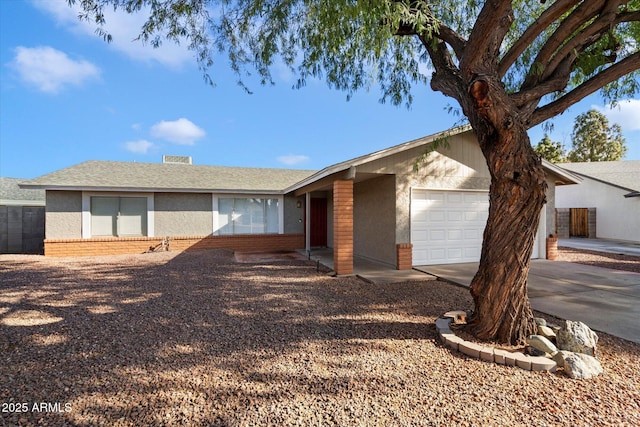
column 609, row 197
column 376, row 206
column 21, row 218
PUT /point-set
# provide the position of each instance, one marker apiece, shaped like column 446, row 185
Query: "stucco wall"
column 63, row 215
column 374, row 219
column 183, row 214
column 460, row 165
column 617, row 217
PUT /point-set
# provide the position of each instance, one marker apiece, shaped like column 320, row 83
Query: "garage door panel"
column 455, row 221
column 437, row 235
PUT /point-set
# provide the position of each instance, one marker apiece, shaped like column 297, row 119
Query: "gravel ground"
column 197, row 339
column 600, row 259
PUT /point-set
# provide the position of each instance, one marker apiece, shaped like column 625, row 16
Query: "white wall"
column 617, row 218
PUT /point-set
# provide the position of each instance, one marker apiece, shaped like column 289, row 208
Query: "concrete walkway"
column 371, row 271
column 606, row 300
column 600, row 245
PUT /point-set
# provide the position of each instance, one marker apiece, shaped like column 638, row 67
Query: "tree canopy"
column 594, row 140
column 557, row 52
column 550, row 150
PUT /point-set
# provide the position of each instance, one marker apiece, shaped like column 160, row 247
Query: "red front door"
column 318, row 226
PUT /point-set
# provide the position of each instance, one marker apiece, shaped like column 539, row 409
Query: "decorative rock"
column 459, row 317
column 546, row 332
column 540, row 321
column 582, row 366
column 534, row 352
column 577, row 337
column 541, row 343
column 560, row 356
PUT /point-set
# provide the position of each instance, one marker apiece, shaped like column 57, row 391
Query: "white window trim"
column 86, row 210
column 216, row 197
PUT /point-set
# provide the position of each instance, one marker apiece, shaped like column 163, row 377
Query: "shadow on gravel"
column 198, row 339
column 130, row 337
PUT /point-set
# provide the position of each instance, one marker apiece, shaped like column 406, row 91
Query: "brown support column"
column 343, row 227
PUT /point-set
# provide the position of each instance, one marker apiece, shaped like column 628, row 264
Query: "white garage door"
column 447, row 226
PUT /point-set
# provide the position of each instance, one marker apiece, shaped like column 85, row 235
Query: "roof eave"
column 149, row 189
column 568, row 176
column 343, row 166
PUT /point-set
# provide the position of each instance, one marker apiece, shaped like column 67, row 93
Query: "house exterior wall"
column 63, row 215
column 183, row 214
column 374, row 219
column 186, row 218
column 617, row 217
column 459, row 166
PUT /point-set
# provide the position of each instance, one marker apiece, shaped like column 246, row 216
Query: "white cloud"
column 292, row 159
column 181, row 131
column 626, row 114
column 50, row 70
column 141, row 146
column 123, row 27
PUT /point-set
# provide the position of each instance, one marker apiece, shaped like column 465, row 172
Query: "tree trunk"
column 517, row 194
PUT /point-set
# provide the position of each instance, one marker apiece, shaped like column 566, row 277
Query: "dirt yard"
column 199, row 339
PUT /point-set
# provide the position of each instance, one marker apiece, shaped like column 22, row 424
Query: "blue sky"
column 67, row 96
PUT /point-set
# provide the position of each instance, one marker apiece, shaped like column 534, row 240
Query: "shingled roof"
column 126, row 176
column 624, row 174
column 12, row 194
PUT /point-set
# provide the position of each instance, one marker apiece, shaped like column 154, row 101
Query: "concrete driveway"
column 606, row 300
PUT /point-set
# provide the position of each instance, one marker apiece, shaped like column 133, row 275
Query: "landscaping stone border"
column 489, row 354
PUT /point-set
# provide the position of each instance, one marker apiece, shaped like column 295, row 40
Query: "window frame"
column 217, row 217
column 86, row 212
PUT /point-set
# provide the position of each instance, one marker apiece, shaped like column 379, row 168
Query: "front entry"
column 318, row 226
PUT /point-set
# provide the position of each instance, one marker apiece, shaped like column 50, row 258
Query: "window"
column 118, row 216
column 248, row 216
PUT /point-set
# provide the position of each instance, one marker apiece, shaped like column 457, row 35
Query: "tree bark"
column 517, row 194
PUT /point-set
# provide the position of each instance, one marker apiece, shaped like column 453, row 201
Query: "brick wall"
column 136, row 245
column 343, row 226
column 404, row 258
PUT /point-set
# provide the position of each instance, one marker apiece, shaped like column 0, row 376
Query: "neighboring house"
column 609, row 194
column 375, row 206
column 21, row 218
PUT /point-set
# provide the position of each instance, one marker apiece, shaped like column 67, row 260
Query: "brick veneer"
column 343, row 227
column 404, row 252
column 134, row 245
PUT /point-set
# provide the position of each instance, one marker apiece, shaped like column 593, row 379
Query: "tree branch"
column 581, row 14
column 555, row 11
column 585, row 38
column 446, row 77
column 492, row 25
column 443, row 33
column 627, row 65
